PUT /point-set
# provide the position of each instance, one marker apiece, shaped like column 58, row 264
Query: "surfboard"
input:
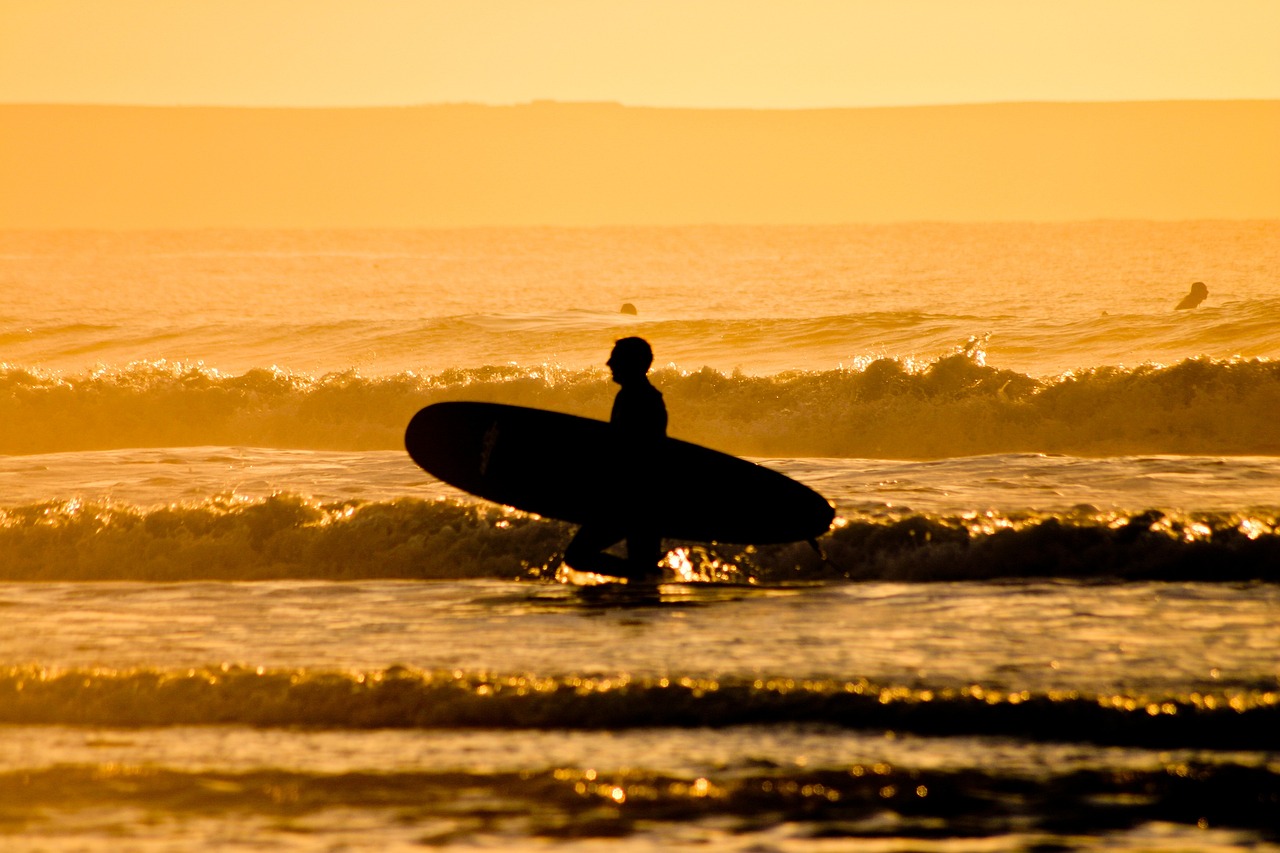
column 569, row 467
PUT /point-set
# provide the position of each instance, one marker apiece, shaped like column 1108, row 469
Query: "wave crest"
column 952, row 406
column 288, row 536
column 399, row 697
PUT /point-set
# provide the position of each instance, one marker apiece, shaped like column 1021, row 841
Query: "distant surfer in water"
column 1194, row 298
column 639, row 419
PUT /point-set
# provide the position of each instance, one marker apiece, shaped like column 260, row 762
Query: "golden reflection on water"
column 51, row 694
column 697, row 564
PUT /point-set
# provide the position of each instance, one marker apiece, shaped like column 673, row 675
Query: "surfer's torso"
column 639, row 414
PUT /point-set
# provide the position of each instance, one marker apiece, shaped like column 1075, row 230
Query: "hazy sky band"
column 685, row 53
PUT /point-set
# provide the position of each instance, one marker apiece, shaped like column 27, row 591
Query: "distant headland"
column 549, row 163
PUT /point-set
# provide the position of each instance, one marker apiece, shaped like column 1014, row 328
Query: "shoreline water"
column 523, row 715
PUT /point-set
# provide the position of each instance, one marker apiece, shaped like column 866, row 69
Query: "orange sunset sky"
column 687, row 53
column 732, row 111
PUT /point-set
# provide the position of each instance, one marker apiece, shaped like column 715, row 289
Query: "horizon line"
column 620, row 104
column 641, row 226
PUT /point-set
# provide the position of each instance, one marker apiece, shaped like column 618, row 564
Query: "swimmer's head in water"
column 631, row 358
column 1195, row 297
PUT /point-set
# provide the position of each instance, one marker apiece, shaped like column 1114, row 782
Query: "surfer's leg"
column 644, row 553
column 586, row 551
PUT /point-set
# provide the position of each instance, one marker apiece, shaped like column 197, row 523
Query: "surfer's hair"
column 634, row 351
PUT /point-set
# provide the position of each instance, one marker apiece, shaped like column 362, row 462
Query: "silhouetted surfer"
column 639, row 418
column 1194, row 298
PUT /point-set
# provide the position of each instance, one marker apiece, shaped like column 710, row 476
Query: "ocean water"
column 234, row 614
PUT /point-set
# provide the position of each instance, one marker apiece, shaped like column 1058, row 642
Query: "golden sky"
column 688, row 53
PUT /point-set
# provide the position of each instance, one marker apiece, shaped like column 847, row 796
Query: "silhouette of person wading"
column 639, row 421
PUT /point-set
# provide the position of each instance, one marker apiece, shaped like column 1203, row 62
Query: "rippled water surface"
column 1033, row 636
column 856, row 709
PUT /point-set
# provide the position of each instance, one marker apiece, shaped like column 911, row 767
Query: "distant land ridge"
column 550, row 163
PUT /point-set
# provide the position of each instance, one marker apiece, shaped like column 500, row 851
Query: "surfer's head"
column 1195, row 297
column 631, row 359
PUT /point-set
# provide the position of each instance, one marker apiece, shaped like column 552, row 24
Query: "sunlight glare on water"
column 1004, row 637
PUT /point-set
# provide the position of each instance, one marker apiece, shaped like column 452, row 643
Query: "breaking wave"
column 289, row 536
column 955, row 405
